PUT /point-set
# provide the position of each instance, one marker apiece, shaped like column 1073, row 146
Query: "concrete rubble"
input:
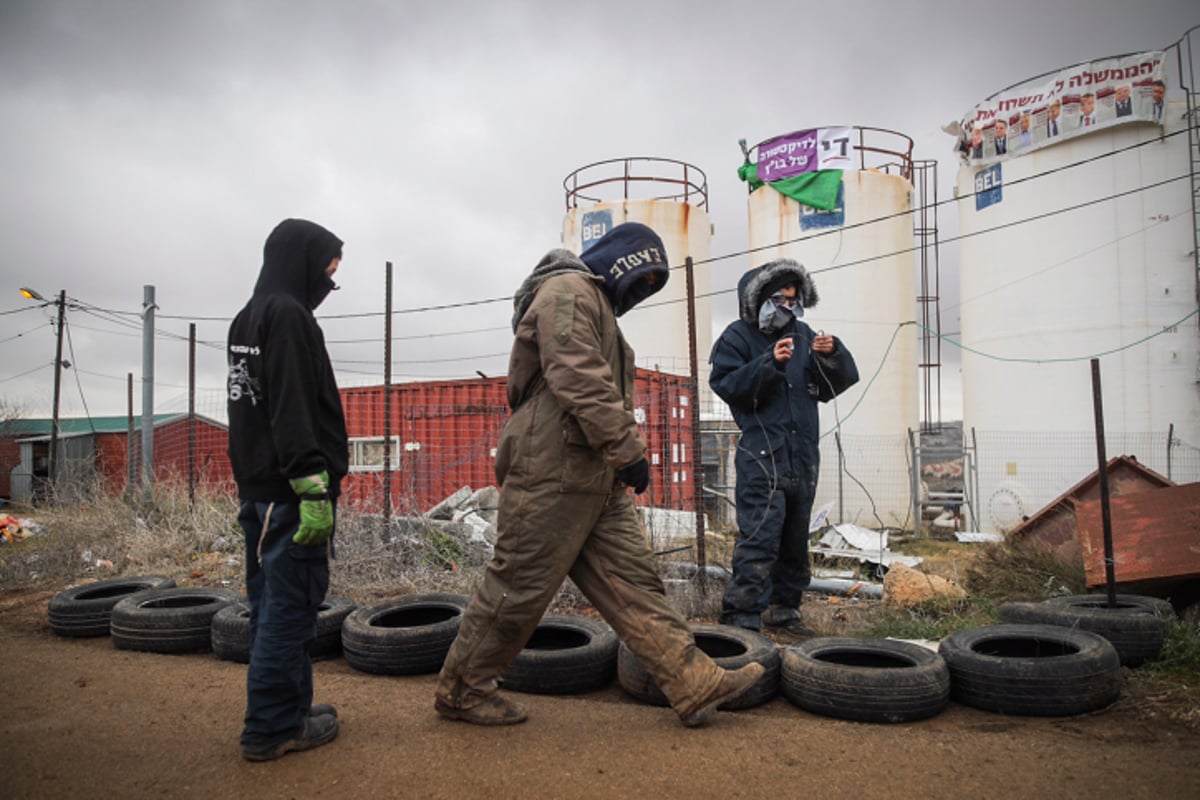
column 474, row 513
column 469, row 517
column 860, row 544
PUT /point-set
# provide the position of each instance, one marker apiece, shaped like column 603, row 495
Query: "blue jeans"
column 286, row 584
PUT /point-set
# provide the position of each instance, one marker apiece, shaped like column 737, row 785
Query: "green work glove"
column 316, row 510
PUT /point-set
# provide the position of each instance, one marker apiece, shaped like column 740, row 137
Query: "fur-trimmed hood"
column 752, row 286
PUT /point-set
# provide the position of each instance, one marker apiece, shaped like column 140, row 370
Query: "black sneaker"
column 317, row 731
column 323, row 708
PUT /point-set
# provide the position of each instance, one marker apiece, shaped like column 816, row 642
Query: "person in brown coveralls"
column 564, row 461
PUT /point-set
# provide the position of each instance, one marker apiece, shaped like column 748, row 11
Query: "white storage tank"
column 1077, row 242
column 670, row 197
column 861, row 255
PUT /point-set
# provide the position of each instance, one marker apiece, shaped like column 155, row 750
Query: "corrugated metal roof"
column 81, row 426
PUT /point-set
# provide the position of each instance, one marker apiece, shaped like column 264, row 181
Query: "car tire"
column 864, row 679
column 565, row 654
column 231, row 633
column 1136, row 625
column 86, row 610
column 330, row 619
column 169, row 620
column 1032, row 670
column 729, row 646
column 231, row 630
column 408, row 636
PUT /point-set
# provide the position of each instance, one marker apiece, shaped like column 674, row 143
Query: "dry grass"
column 1001, row 572
column 103, row 536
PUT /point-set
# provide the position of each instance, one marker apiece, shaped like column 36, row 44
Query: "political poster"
column 1063, row 105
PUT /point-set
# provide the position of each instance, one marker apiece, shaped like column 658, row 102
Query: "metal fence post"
column 387, row 397
column 697, row 464
column 837, row 439
column 914, row 481
column 191, row 432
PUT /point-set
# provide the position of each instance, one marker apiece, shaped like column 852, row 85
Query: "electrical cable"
column 1062, row 359
column 114, row 316
column 78, row 385
column 26, row 372
column 749, row 251
column 838, row 419
column 19, row 335
column 1155, row 222
column 23, row 309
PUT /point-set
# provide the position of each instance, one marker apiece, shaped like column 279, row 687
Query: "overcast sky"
column 157, row 143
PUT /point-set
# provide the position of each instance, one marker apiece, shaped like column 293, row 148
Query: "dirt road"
column 81, row 719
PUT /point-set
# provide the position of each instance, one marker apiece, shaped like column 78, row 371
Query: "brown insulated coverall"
column 562, row 511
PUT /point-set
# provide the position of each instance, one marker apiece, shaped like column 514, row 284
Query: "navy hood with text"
column 632, row 261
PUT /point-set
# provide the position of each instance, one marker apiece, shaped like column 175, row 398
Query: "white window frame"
column 358, row 448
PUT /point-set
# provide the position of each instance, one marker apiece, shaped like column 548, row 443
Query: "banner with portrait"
column 1063, row 105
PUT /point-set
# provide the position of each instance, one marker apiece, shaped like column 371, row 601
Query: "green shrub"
column 1180, row 656
column 933, row 619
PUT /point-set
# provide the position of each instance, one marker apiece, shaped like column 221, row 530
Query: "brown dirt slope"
column 82, row 719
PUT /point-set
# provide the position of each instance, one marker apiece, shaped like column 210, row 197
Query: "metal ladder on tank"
column 925, row 230
column 1188, row 81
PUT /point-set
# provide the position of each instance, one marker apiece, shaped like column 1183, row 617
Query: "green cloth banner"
column 817, row 189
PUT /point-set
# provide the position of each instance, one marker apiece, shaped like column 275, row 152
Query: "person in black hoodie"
column 289, row 451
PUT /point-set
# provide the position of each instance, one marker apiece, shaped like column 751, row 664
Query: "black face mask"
column 319, row 290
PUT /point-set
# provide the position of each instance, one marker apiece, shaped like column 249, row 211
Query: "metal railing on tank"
column 637, row 178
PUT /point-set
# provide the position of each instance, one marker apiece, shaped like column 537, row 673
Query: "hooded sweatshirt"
column 285, row 413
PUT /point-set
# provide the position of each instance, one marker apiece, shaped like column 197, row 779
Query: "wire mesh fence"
column 1019, row 473
column 434, row 439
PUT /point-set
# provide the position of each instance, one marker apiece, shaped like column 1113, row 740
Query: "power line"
column 23, row 309
column 23, row 333
column 26, row 372
column 78, row 385
column 1156, row 221
column 504, row 328
column 749, row 251
column 736, row 254
column 1063, row 359
column 115, row 317
column 424, row 361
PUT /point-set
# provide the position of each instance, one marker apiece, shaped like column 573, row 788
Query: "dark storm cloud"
column 156, row 143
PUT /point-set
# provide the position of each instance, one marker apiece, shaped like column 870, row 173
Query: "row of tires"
column 1027, row 665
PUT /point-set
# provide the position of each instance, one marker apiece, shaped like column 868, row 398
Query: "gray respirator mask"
column 773, row 317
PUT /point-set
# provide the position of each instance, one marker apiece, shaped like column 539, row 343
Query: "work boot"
column 793, row 628
column 317, row 731
column 732, row 685
column 322, row 708
column 786, row 621
column 495, row 710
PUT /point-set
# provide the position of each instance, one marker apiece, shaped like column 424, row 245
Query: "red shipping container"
column 443, row 437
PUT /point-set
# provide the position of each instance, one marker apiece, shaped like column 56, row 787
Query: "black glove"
column 636, row 475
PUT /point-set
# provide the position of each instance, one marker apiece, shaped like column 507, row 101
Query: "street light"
column 61, row 302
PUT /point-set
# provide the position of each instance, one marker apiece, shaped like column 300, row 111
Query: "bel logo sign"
column 595, row 225
column 987, row 187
